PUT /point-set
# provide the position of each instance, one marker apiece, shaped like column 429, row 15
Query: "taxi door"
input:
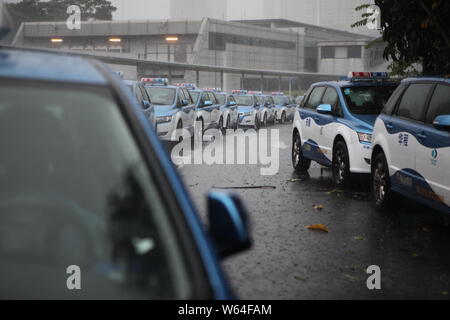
column 404, row 135
column 309, row 128
column 433, row 150
column 215, row 110
column 326, row 131
column 187, row 110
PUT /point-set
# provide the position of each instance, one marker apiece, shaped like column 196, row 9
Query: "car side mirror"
column 231, row 104
column 207, row 103
column 442, row 122
column 228, row 223
column 146, row 104
column 324, row 109
column 185, row 102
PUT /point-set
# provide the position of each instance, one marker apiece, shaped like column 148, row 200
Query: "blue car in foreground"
column 87, row 190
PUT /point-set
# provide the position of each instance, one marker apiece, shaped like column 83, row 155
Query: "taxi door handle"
column 422, row 135
column 316, row 118
column 390, row 126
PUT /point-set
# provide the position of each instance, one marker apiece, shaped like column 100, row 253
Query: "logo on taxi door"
column 434, row 155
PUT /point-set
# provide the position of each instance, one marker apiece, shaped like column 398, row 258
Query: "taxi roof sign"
column 189, row 86
column 352, row 76
column 156, row 81
column 239, row 91
column 213, row 89
column 278, row 93
column 255, row 92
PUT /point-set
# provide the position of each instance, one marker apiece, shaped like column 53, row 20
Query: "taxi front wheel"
column 341, row 165
column 299, row 162
column 381, row 183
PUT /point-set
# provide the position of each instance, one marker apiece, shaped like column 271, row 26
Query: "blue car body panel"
column 35, row 65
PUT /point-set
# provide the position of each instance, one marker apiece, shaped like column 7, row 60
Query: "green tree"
column 56, row 10
column 415, row 31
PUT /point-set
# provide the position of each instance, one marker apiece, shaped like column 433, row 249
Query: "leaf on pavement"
column 318, row 207
column 318, row 227
column 359, row 238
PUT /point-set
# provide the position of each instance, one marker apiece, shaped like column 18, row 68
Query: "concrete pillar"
column 197, row 78
column 222, row 80
column 242, row 81
column 279, row 83
column 262, row 82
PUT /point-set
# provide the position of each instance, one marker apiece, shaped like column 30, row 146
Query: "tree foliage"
column 56, row 10
column 415, row 31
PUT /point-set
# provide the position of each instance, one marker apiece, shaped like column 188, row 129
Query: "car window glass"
column 412, row 104
column 440, row 103
column 392, row 102
column 212, row 97
column 315, row 97
column 75, row 190
column 330, row 97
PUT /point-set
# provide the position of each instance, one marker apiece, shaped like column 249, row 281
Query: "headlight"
column 245, row 114
column 364, row 137
column 164, row 119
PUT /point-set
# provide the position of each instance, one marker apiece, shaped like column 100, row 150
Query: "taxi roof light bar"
column 239, row 91
column 353, row 76
column 213, row 89
column 191, row 86
column 278, row 93
column 255, row 92
column 155, row 81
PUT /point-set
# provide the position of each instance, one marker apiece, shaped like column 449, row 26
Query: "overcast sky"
column 160, row 9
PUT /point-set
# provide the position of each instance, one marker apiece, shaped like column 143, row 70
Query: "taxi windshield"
column 221, row 98
column 75, row 190
column 161, row 96
column 367, row 100
column 244, row 100
column 280, row 100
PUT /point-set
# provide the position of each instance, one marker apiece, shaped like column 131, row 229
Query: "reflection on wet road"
column 411, row 244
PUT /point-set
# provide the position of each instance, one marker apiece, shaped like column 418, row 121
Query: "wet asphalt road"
column 411, row 244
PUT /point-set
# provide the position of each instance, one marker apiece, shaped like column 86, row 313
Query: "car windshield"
column 221, row 98
column 194, row 95
column 161, row 96
column 75, row 192
column 280, row 100
column 367, row 100
column 244, row 100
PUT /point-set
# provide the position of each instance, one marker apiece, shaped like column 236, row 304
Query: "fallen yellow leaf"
column 318, row 207
column 318, row 227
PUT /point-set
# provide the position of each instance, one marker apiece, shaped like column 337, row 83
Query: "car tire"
column 283, row 118
column 228, row 126
column 257, row 123
column 221, row 125
column 299, row 162
column 341, row 165
column 381, row 183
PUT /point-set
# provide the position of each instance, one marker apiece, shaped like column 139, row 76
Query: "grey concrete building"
column 273, row 44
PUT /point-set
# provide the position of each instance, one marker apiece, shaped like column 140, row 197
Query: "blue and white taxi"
column 174, row 108
column 284, row 107
column 228, row 107
column 334, row 124
column 267, row 109
column 411, row 144
column 207, row 108
column 248, row 109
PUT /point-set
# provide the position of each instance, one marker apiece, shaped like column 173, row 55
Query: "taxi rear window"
column 367, row 99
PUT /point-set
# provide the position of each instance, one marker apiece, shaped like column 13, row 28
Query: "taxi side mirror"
column 442, row 122
column 324, row 109
column 145, row 104
column 228, row 223
column 207, row 103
